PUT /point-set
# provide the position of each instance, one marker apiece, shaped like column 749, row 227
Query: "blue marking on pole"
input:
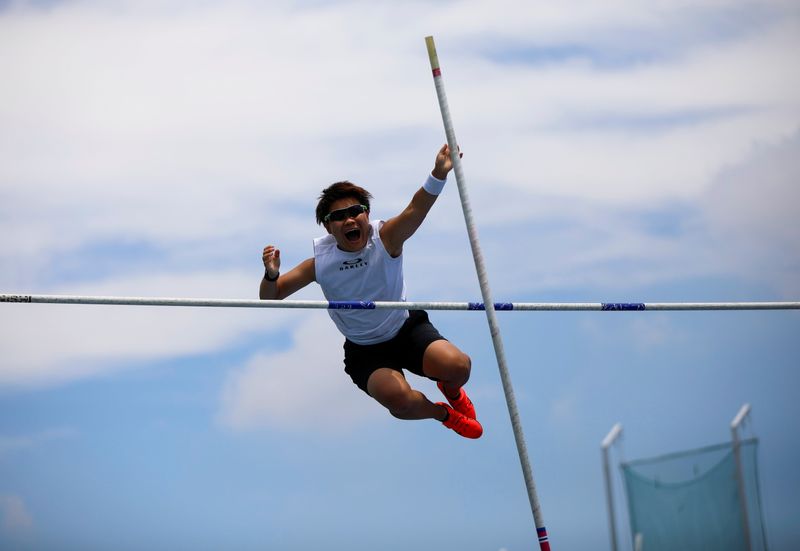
column 620, row 306
column 542, row 533
column 15, row 298
column 497, row 306
column 351, row 305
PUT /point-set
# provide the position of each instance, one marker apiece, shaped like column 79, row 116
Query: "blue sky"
column 614, row 151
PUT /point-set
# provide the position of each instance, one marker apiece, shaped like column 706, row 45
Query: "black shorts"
column 404, row 351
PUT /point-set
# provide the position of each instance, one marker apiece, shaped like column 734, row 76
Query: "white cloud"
column 304, row 387
column 15, row 516
column 44, row 344
column 578, row 132
column 740, row 228
column 752, row 211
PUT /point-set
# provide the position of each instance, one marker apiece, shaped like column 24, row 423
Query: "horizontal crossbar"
column 378, row 305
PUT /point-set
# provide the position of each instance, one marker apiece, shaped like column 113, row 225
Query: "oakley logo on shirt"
column 352, row 264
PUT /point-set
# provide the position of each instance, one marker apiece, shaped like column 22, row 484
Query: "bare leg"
column 392, row 391
column 446, row 363
column 390, row 388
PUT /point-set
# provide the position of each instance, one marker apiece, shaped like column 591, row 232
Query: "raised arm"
column 277, row 286
column 398, row 229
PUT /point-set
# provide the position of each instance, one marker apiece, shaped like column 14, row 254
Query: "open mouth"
column 353, row 236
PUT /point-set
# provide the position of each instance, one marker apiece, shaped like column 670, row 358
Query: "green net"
column 693, row 500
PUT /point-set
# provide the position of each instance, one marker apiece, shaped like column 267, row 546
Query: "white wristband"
column 434, row 186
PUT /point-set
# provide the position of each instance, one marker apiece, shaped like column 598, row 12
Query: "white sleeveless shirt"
column 368, row 274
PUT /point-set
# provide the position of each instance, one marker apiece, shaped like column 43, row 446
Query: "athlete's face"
column 348, row 224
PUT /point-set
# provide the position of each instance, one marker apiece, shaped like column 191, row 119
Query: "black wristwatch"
column 266, row 276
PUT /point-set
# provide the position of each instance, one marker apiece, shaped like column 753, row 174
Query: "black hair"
column 340, row 190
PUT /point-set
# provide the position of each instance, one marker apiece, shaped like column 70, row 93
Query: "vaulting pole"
column 511, row 402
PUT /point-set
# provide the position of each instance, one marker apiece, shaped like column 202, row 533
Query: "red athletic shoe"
column 463, row 425
column 462, row 404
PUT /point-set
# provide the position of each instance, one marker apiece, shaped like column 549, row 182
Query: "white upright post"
column 494, row 328
column 612, row 435
column 740, row 417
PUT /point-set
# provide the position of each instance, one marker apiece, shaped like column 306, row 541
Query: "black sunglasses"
column 345, row 213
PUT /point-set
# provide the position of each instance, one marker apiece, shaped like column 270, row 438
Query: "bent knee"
column 460, row 365
column 465, row 363
column 458, row 371
column 445, row 362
